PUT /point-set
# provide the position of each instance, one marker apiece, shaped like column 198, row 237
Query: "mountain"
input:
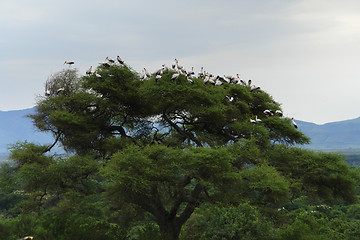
column 16, row 127
column 335, row 135
column 343, row 135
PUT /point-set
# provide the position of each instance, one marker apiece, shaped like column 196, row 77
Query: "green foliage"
column 239, row 222
column 314, row 174
column 149, row 155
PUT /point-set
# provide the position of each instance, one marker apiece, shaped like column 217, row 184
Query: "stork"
column 175, row 63
column 279, row 113
column 191, row 72
column 237, row 80
column 59, row 90
column 97, row 75
column 160, row 70
column 142, row 75
column 268, row 112
column 257, row 119
column 189, row 79
column 147, row 72
column 27, row 238
column 120, row 60
column 158, row 77
column 105, row 64
column 201, row 73
column 88, row 72
column 206, row 79
column 249, row 82
column 69, row 63
column 294, row 123
column 175, row 76
column 110, row 59
column 212, row 79
column 231, row 99
column 218, row 82
column 253, row 88
column 47, row 92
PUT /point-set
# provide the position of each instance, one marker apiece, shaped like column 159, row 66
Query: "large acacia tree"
column 166, row 146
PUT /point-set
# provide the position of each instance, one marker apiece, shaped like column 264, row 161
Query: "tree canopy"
column 162, row 145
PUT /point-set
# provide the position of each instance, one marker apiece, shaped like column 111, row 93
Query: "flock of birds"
column 189, row 74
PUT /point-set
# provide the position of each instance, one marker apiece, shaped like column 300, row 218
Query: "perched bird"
column 231, row 99
column 105, row 64
column 279, row 113
column 175, row 76
column 269, row 113
column 253, row 88
column 294, row 123
column 189, row 79
column 158, row 77
column 88, row 72
column 142, row 75
column 191, row 72
column 206, row 79
column 59, row 90
column 110, row 59
column 252, row 120
column 97, row 75
column 47, row 92
column 218, row 82
column 27, row 238
column 201, row 73
column 257, row 119
column 160, row 70
column 249, row 82
column 175, row 63
column 147, row 72
column 243, row 82
column 120, row 60
column 212, row 79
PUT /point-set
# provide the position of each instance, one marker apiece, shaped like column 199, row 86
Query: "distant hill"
column 332, row 136
column 16, row 127
column 343, row 136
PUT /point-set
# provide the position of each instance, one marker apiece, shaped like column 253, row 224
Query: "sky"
column 304, row 53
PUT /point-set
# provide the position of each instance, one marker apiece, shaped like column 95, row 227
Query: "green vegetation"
column 171, row 159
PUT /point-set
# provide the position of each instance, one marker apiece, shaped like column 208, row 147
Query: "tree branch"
column 54, row 143
column 179, row 130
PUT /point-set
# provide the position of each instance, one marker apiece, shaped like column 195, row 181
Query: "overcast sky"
column 305, row 53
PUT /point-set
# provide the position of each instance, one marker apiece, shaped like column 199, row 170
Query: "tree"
column 167, row 146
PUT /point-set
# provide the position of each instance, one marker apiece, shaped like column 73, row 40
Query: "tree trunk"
column 170, row 230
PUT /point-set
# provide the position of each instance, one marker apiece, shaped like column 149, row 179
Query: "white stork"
column 59, row 90
column 294, row 123
column 147, row 72
column 120, row 60
column 88, row 72
column 253, row 88
column 201, row 73
column 268, row 112
column 279, row 113
column 257, row 119
column 218, row 82
column 105, row 64
column 252, row 120
column 97, row 75
column 175, row 63
column 158, row 77
column 69, row 63
column 175, row 76
column 231, row 99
